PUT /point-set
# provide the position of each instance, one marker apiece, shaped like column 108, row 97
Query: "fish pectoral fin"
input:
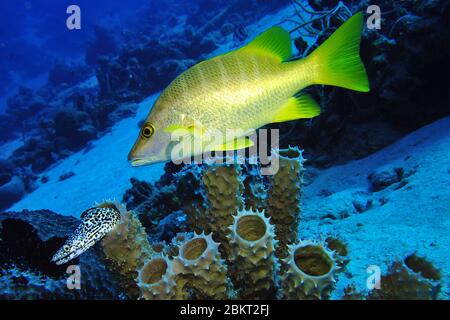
column 236, row 144
column 275, row 42
column 300, row 106
column 192, row 130
column 174, row 127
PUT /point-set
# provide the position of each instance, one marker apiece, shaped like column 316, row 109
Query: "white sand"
column 101, row 172
column 415, row 218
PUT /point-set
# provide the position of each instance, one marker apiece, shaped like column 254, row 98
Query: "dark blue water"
column 34, row 34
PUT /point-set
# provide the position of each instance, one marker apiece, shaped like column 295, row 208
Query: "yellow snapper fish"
column 248, row 88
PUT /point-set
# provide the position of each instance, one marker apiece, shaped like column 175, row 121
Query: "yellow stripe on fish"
column 250, row 87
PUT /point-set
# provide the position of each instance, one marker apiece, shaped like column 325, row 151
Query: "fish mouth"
column 139, row 162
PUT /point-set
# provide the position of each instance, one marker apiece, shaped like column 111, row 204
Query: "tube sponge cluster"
column 222, row 190
column 237, row 251
column 126, row 248
column 252, row 271
column 196, row 272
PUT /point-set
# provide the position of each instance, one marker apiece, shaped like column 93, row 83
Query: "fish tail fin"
column 337, row 60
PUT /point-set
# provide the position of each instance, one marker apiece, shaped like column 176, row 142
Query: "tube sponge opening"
column 251, row 228
column 153, row 271
column 193, row 249
column 313, row 260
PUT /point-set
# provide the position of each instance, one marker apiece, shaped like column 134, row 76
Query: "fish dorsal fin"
column 275, row 42
column 299, row 106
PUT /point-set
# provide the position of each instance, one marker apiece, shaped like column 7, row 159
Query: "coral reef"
column 64, row 74
column 102, row 45
column 189, row 188
column 11, row 191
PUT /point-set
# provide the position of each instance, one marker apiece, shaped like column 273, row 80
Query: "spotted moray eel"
column 95, row 223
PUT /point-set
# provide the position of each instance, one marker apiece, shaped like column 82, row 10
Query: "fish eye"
column 66, row 248
column 147, row 130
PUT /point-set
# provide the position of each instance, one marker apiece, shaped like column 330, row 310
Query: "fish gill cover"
column 356, row 207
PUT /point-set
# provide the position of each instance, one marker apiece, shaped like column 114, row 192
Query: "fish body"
column 243, row 89
column 95, row 224
column 249, row 88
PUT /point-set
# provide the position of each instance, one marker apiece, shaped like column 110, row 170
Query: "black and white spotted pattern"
column 95, row 224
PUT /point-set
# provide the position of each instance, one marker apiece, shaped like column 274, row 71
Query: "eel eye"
column 147, row 130
column 66, row 248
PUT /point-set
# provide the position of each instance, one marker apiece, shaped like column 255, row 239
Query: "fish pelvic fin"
column 275, row 42
column 337, row 60
column 300, row 106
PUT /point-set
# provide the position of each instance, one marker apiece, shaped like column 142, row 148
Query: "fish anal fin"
column 300, row 106
column 236, row 144
column 275, row 42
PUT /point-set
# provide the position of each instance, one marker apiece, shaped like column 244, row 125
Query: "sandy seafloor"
column 410, row 216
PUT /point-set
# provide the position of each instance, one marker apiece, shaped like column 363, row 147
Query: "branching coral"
column 317, row 23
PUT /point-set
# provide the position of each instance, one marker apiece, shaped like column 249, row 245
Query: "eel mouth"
column 59, row 260
column 62, row 257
